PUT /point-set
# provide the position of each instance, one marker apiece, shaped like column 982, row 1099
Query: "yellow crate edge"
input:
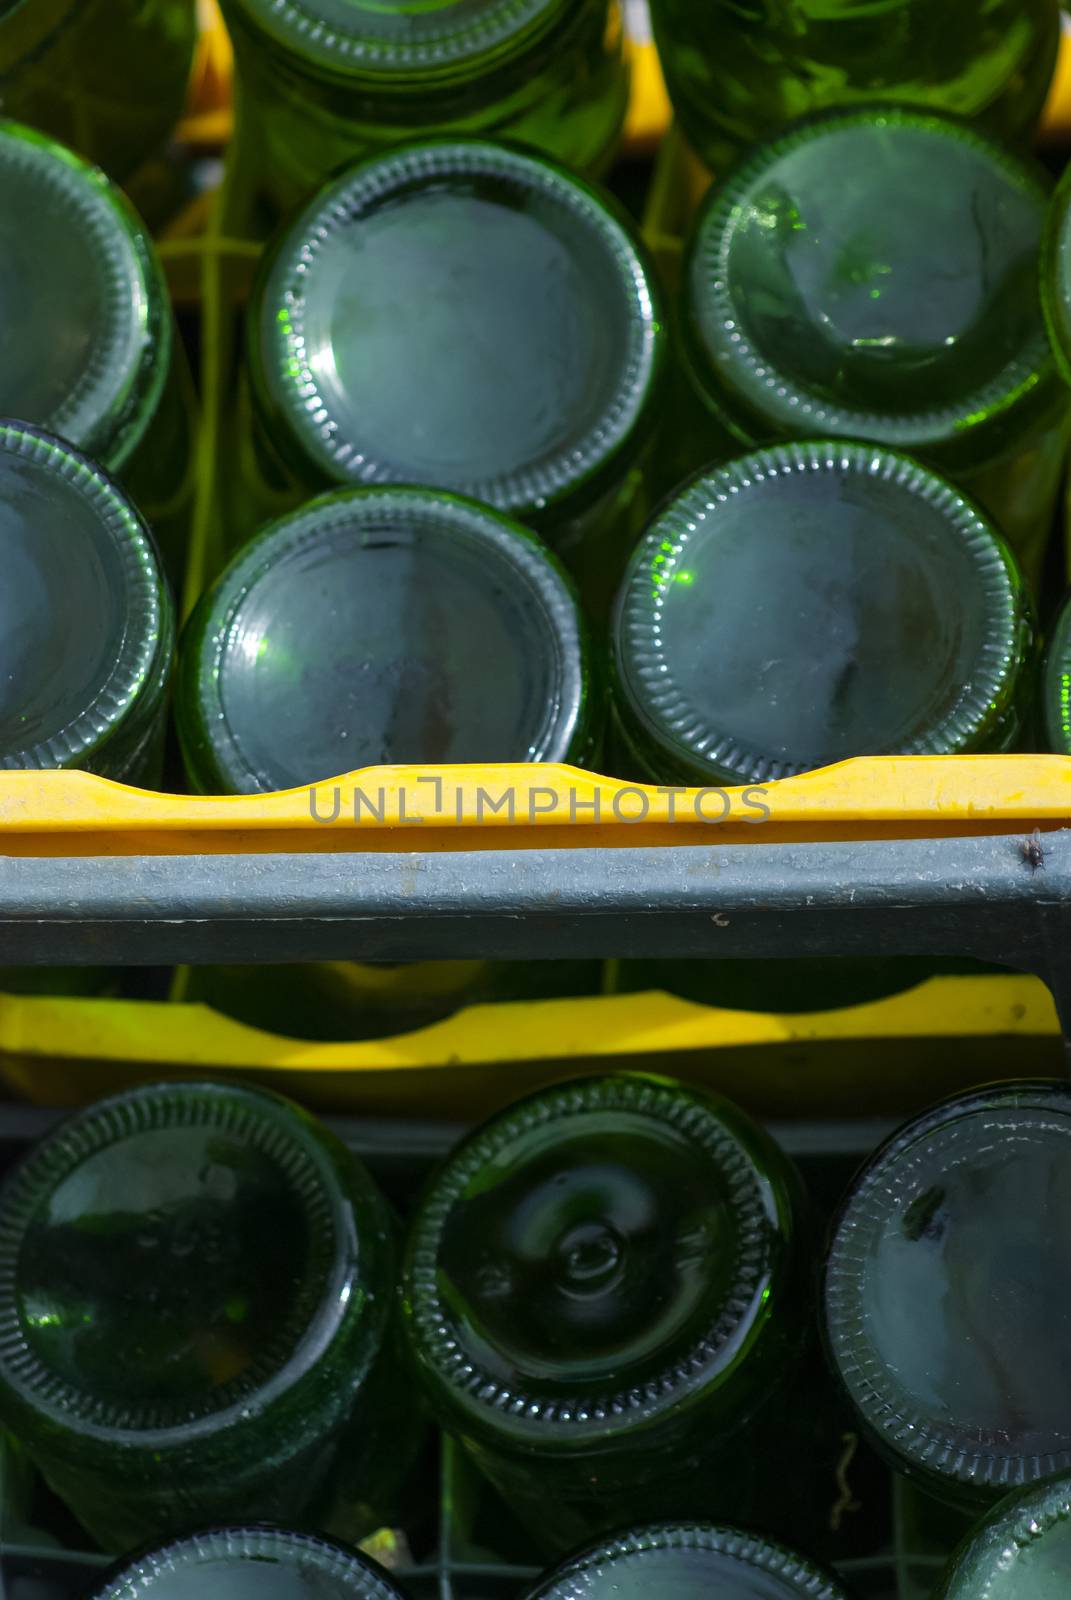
column 423, row 808
column 63, row 1051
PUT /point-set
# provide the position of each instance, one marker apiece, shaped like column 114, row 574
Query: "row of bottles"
column 320, row 82
column 279, row 685
column 505, row 339
column 1020, row 1553
column 606, row 1295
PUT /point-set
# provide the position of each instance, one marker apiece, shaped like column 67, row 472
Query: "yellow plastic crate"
column 878, row 1057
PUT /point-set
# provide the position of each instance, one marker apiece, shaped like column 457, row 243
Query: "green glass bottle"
column 792, row 609
column 1055, row 730
column 604, row 1286
column 465, row 315
column 87, row 632
column 196, row 1286
column 738, row 70
column 259, row 1562
column 1021, row 1551
column 688, row 1561
column 86, row 637
column 90, row 348
column 874, row 275
column 813, row 602
column 382, row 626
column 946, row 1289
column 323, row 82
column 106, row 77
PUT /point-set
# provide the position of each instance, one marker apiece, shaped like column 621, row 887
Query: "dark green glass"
column 1056, row 273
column 86, row 625
column 196, row 1287
column 738, row 70
column 603, row 1288
column 1056, row 686
column 813, row 602
column 90, row 351
column 1021, row 1551
column 688, row 1561
column 792, row 609
column 259, row 1562
column 107, row 77
column 467, row 316
column 323, row 82
column 947, row 1293
column 874, row 275
column 382, row 626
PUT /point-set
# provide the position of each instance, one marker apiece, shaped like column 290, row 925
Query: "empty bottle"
column 1021, row 1551
column 738, row 70
column 464, row 315
column 107, row 77
column 874, row 275
column 87, row 631
column 687, row 1561
column 382, row 626
column 259, row 1562
column 321, row 83
column 813, row 602
column 945, row 1296
column 604, row 1287
column 196, row 1284
column 90, row 349
column 797, row 607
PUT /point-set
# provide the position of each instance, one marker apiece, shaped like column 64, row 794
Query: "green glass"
column 688, row 1561
column 382, row 626
column 90, row 351
column 86, row 637
column 604, row 1286
column 322, row 82
column 107, row 77
column 87, row 632
column 947, row 1289
column 874, row 275
column 359, row 631
column 253, row 1563
column 792, row 609
column 195, row 1292
column 1021, row 1551
column 1056, row 686
column 464, row 315
column 738, row 70
column 813, row 602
